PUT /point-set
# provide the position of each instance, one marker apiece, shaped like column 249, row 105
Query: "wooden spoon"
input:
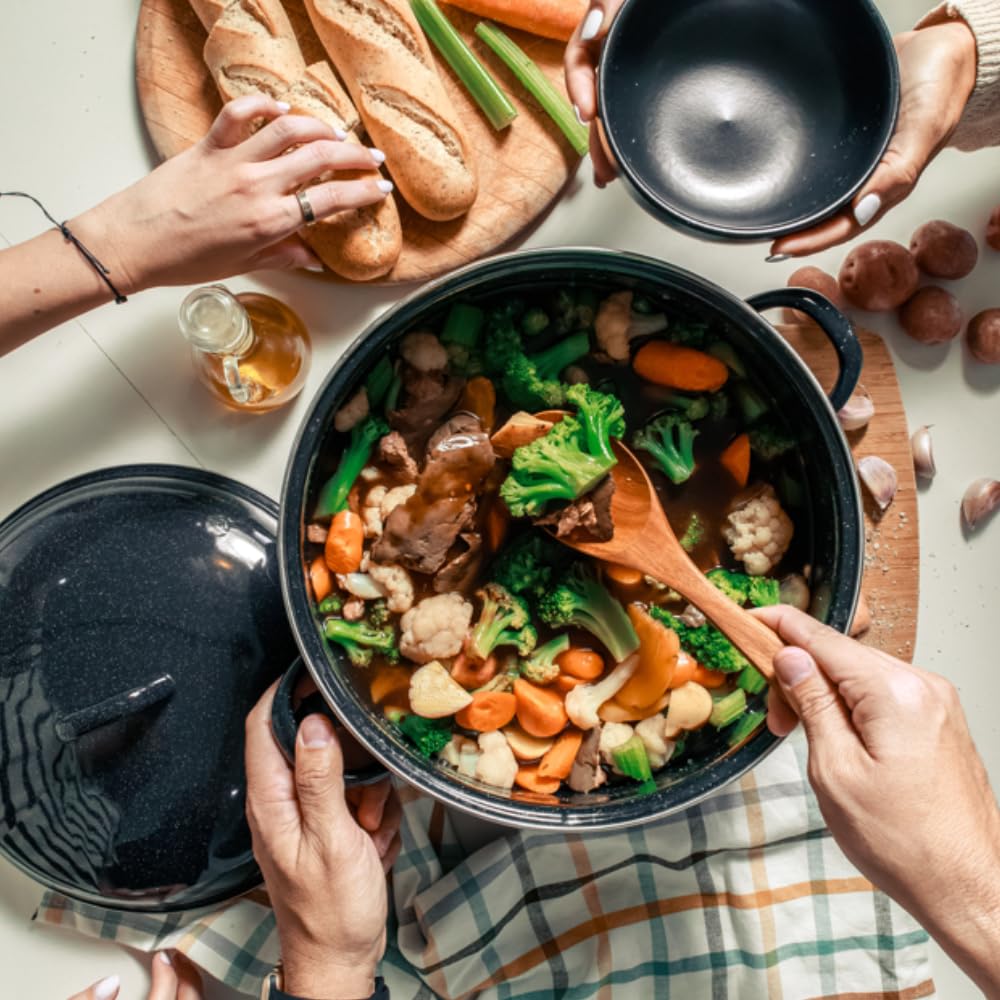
column 644, row 541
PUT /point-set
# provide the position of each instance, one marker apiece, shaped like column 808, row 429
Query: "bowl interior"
column 826, row 520
column 748, row 117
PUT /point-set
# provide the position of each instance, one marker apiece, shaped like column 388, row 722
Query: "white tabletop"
column 116, row 386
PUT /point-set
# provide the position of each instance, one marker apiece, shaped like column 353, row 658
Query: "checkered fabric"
column 745, row 896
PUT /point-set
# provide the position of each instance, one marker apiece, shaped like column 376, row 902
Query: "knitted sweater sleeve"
column 980, row 122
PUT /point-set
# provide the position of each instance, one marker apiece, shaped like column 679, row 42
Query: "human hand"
column 937, row 68
column 227, row 205
column 324, row 867
column 580, row 64
column 173, row 978
column 898, row 780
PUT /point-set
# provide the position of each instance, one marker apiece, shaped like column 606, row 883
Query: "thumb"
column 106, row 989
column 813, row 697
column 319, row 776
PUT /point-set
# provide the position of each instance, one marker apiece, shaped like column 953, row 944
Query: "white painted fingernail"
column 377, row 155
column 776, row 258
column 384, row 186
column 867, row 209
column 107, row 988
column 576, row 111
column 283, row 106
column 339, row 134
column 592, row 25
column 164, row 958
column 315, row 268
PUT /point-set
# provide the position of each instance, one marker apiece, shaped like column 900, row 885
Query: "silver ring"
column 307, row 210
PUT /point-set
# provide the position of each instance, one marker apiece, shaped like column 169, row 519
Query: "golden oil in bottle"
column 250, row 350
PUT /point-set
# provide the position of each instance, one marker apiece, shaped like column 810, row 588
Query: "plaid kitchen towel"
column 742, row 896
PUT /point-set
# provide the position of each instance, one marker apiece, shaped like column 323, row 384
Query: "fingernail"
column 776, row 258
column 576, row 111
column 283, row 106
column 384, row 186
column 164, row 958
column 107, row 988
column 315, row 268
column 339, row 134
column 592, row 25
column 867, row 209
column 314, row 732
column 377, row 155
column 793, row 666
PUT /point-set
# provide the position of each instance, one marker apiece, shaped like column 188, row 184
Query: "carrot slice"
column 679, row 367
column 658, row 651
column 550, row 18
column 735, row 459
column 565, row 683
column 388, row 681
column 528, row 777
column 708, row 678
column 540, row 711
column 319, row 578
column 558, row 762
column 582, row 663
column 623, row 575
column 497, row 523
column 612, row 711
column 479, row 397
column 345, row 543
column 684, row 670
column 488, row 711
column 473, row 675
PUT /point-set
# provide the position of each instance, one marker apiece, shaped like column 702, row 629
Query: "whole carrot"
column 549, row 18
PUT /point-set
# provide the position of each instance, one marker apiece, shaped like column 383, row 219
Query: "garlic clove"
column 858, row 411
column 923, row 454
column 880, row 479
column 980, row 500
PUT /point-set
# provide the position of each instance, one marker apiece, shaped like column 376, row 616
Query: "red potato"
column 993, row 230
column 931, row 315
column 819, row 281
column 879, row 275
column 983, row 336
column 943, row 250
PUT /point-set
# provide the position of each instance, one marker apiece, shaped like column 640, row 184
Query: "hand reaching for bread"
column 227, row 205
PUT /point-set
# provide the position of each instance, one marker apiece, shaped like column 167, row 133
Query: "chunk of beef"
column 587, row 773
column 419, row 533
column 316, row 533
column 393, row 452
column 427, row 397
column 590, row 513
column 459, row 572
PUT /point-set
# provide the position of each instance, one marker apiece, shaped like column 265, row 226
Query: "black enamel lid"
column 140, row 619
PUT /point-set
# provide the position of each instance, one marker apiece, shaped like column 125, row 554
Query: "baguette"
column 252, row 49
column 379, row 51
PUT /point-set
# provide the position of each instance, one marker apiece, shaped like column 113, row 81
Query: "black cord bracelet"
column 102, row 271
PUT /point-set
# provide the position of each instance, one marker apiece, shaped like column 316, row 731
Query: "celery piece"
column 728, row 708
column 632, row 760
column 537, row 84
column 752, row 404
column 463, row 325
column 485, row 91
column 751, row 680
column 743, row 727
column 725, row 353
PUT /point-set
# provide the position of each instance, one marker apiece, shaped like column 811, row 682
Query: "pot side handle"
column 837, row 327
column 285, row 725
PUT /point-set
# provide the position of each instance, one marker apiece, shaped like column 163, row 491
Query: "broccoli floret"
column 763, row 591
column 689, row 334
column 378, row 613
column 694, row 534
column 429, row 736
column 718, row 405
column 503, row 343
column 532, row 381
column 463, row 325
column 464, row 360
column 692, row 407
column 526, row 566
column 360, row 641
column 601, row 415
column 504, row 621
column 556, row 466
column 670, row 440
column 534, row 322
column 769, row 440
column 705, row 643
column 760, row 591
column 331, row 604
column 541, row 666
column 333, row 496
column 581, row 601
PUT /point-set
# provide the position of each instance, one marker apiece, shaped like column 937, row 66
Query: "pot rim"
column 522, row 814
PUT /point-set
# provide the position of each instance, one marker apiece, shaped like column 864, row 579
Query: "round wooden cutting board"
column 521, row 170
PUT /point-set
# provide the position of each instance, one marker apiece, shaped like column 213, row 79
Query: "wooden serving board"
column 521, row 170
column 891, row 583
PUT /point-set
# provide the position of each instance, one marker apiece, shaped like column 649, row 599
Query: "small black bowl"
column 747, row 119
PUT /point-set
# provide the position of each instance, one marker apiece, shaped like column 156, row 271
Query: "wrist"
column 322, row 974
column 102, row 230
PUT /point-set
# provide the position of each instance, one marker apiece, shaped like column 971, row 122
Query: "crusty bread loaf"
column 252, row 49
column 382, row 56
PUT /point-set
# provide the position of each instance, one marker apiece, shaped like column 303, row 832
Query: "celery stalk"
column 537, row 84
column 485, row 91
column 728, row 709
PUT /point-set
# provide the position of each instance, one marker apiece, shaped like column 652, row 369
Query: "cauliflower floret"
column 463, row 755
column 759, row 532
column 616, row 326
column 352, row 412
column 435, row 628
column 424, row 351
column 613, row 735
column 396, row 583
column 497, row 764
column 394, row 497
column 435, row 694
column 658, row 748
column 371, row 511
column 370, row 474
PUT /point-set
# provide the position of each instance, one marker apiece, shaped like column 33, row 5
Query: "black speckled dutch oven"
column 833, row 522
